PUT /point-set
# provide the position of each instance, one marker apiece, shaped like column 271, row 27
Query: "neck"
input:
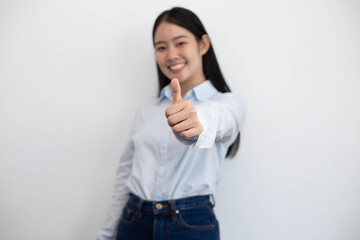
column 190, row 84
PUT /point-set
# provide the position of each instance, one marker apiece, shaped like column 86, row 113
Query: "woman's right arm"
column 120, row 196
column 121, row 192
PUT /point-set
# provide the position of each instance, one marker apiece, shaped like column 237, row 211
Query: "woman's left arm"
column 222, row 119
column 219, row 119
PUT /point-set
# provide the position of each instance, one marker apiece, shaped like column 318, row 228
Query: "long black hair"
column 188, row 20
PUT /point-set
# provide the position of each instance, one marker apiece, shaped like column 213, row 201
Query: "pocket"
column 128, row 215
column 198, row 218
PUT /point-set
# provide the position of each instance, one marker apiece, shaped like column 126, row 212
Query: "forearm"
column 221, row 119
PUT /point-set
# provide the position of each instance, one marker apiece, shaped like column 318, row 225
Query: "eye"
column 180, row 44
column 160, row 48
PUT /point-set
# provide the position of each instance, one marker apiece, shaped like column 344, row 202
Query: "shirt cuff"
column 207, row 137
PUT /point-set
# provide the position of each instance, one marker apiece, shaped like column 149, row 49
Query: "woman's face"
column 179, row 54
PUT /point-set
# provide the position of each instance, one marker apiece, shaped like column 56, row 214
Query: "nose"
column 172, row 54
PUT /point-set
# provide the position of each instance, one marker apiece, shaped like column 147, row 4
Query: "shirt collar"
column 202, row 92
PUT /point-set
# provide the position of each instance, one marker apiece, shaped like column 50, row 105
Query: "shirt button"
column 163, row 158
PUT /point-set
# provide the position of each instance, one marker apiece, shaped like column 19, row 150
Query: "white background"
column 73, row 73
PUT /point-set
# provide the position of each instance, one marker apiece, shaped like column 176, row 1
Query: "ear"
column 204, row 44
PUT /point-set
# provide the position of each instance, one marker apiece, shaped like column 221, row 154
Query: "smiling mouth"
column 177, row 67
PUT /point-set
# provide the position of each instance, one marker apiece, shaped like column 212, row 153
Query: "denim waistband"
column 167, row 205
column 172, row 207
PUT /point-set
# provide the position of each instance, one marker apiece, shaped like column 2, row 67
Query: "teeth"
column 175, row 67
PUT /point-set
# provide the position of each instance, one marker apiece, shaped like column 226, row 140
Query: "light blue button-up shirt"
column 158, row 164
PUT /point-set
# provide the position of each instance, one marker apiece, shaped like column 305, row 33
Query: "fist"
column 181, row 115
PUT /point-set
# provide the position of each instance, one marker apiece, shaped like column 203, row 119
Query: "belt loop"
column 173, row 209
column 138, row 210
column 213, row 199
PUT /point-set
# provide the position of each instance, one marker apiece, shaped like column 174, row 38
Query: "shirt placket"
column 163, row 162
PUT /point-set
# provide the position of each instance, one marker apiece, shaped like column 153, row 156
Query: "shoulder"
column 207, row 92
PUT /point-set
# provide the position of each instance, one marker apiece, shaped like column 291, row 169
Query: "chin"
column 181, row 79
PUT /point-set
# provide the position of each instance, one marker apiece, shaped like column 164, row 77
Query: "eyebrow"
column 175, row 38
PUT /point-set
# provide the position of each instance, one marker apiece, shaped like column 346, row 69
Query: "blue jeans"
column 190, row 218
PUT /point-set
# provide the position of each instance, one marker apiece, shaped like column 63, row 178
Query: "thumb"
column 176, row 90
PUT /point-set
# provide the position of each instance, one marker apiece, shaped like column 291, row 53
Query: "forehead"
column 167, row 31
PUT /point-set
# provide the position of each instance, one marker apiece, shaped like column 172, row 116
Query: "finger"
column 186, row 113
column 192, row 132
column 176, row 90
column 177, row 118
column 177, row 107
column 185, row 125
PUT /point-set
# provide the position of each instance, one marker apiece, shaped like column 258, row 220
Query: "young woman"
column 171, row 164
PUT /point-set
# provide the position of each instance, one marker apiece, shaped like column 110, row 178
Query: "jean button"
column 158, row 206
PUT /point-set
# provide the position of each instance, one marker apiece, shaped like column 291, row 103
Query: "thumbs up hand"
column 181, row 114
